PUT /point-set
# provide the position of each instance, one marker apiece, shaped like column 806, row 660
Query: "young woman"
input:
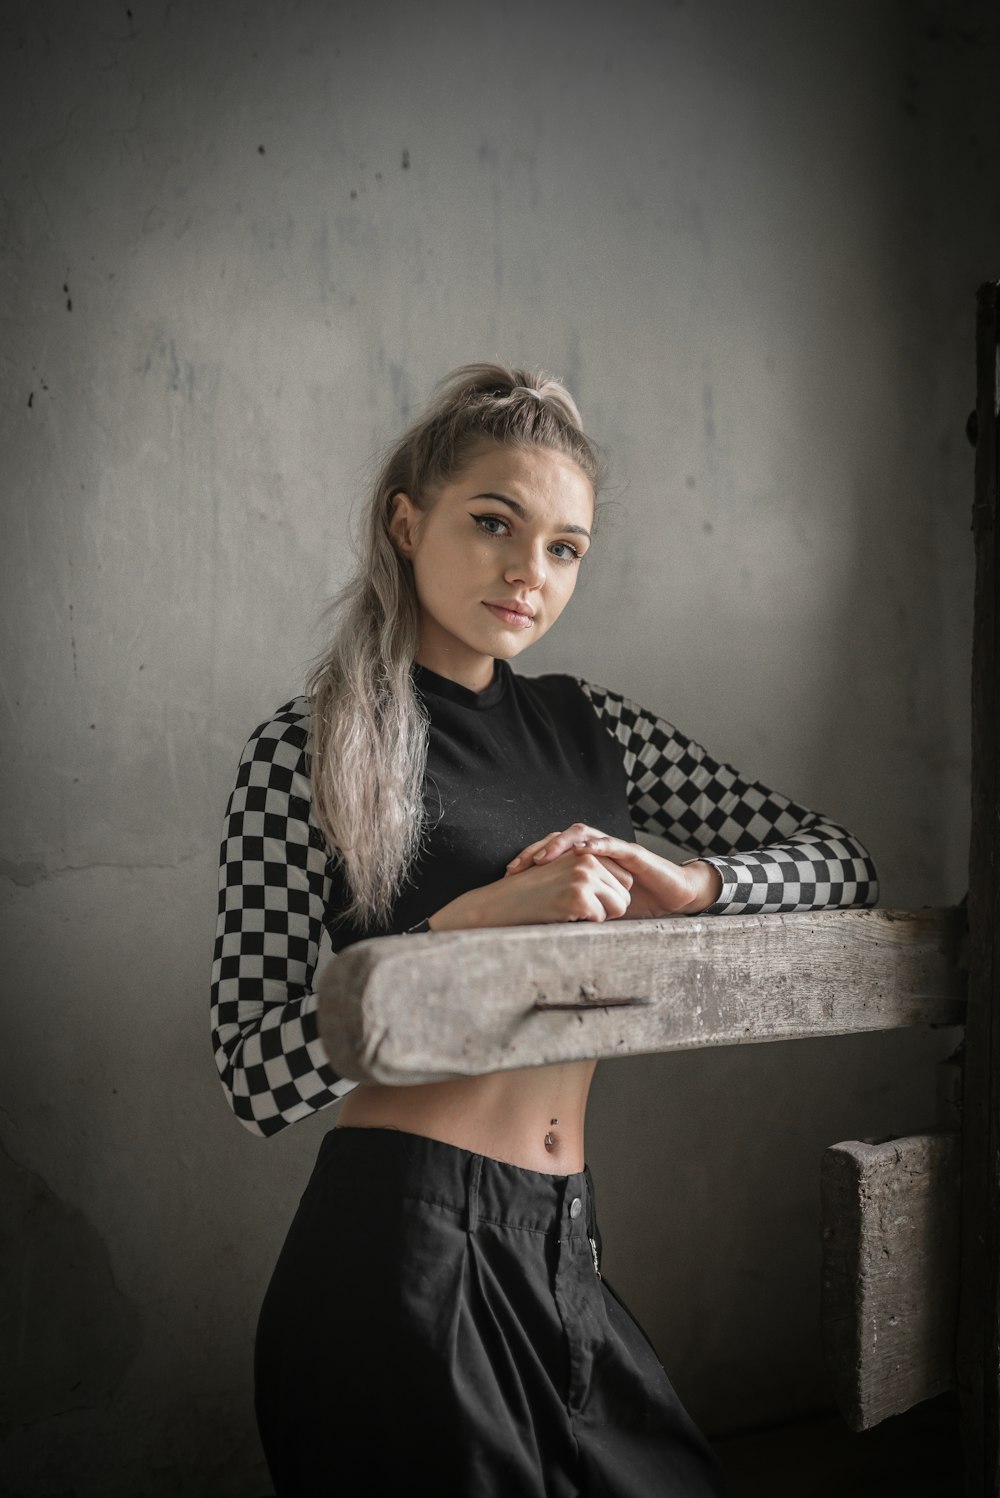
column 438, row 1320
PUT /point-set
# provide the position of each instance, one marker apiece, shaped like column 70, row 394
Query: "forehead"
column 540, row 477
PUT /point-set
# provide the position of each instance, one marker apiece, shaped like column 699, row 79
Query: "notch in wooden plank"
column 889, row 1303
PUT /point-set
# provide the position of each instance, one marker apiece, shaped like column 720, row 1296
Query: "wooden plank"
column 408, row 1009
column 889, row 1301
column 979, row 1324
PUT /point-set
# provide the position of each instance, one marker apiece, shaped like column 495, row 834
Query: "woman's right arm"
column 273, row 891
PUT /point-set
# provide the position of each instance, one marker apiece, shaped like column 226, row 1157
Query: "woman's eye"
column 484, row 521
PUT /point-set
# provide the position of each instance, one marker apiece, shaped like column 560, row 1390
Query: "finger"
column 606, row 898
column 619, row 874
column 613, row 874
column 614, row 897
column 527, row 854
column 602, row 844
column 578, row 837
column 593, row 847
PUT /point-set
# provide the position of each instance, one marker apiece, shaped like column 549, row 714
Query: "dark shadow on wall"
column 68, row 1333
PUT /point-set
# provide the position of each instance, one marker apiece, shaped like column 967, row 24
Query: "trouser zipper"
column 593, row 1249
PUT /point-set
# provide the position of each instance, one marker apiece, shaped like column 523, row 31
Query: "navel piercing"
column 549, row 1142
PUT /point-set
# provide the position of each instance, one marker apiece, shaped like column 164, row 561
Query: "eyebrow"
column 522, row 513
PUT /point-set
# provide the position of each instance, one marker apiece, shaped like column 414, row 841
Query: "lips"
column 510, row 606
column 509, row 616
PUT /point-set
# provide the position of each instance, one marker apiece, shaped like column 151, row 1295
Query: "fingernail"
column 538, row 855
column 514, row 861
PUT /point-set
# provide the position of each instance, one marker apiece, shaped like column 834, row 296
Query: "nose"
column 527, row 569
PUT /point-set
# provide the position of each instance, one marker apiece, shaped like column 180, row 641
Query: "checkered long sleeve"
column 773, row 854
column 274, row 889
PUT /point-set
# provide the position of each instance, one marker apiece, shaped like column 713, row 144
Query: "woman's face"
column 511, row 528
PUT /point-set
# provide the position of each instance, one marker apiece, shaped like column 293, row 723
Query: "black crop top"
column 506, row 766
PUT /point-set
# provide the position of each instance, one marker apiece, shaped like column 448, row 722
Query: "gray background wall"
column 241, row 241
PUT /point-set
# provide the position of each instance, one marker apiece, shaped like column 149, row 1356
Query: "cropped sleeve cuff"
column 784, row 880
column 731, row 891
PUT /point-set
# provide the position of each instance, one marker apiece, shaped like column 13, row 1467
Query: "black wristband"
column 423, row 925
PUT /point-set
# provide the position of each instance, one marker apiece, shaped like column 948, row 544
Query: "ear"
column 403, row 519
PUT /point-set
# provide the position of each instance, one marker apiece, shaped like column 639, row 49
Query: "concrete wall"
column 240, row 243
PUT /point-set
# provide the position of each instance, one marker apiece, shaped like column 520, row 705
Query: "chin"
column 510, row 648
column 501, row 641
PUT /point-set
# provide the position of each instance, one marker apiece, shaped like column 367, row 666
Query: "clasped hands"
column 655, row 886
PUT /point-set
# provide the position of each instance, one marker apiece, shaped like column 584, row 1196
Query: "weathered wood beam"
column 408, row 1009
column 889, row 1301
column 979, row 1320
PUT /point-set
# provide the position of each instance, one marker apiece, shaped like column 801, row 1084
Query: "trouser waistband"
column 485, row 1190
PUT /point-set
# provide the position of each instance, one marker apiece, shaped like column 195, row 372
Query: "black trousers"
column 436, row 1324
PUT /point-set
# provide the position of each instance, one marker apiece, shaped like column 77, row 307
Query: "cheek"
column 567, row 578
column 445, row 573
column 458, row 547
column 557, row 593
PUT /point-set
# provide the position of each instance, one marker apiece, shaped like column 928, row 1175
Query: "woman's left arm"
column 773, row 855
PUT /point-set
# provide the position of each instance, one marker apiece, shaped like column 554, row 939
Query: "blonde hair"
column 369, row 730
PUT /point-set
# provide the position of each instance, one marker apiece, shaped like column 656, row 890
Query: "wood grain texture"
column 408, row 1009
column 889, row 1303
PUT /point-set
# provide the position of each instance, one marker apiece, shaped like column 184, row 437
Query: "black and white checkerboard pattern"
column 273, row 891
column 274, row 887
column 773, row 854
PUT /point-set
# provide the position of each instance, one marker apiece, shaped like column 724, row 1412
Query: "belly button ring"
column 549, row 1142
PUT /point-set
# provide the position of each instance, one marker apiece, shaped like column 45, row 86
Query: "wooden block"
column 409, row 1009
column 889, row 1304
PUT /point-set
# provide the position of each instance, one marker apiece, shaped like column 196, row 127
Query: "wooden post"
column 978, row 1353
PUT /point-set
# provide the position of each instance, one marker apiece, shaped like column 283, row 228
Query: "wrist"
column 706, row 882
column 459, row 914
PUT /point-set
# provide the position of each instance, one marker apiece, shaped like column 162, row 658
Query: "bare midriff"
column 532, row 1117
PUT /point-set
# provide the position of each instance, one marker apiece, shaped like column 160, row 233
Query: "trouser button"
column 575, row 1207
